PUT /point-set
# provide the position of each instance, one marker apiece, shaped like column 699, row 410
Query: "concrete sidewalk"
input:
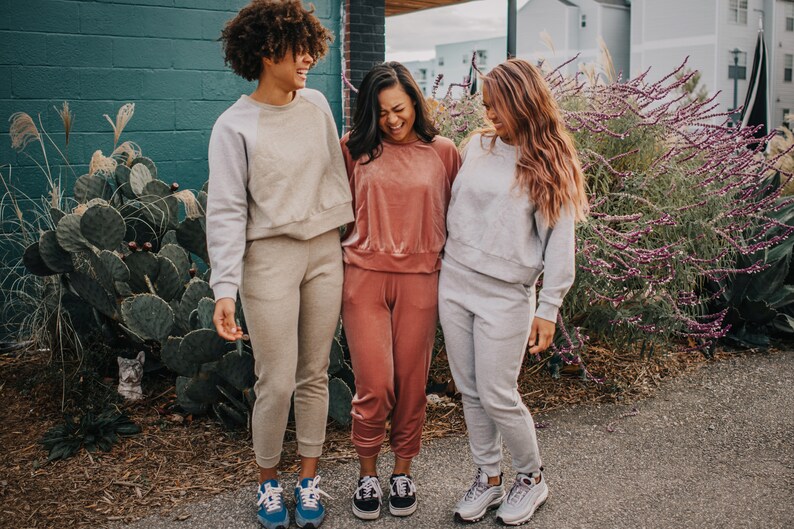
column 711, row 449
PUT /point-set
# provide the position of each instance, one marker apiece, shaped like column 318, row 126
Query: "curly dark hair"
column 270, row 29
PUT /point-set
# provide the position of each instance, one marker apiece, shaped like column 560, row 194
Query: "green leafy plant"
column 91, row 432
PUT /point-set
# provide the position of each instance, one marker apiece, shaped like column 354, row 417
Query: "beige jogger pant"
column 291, row 293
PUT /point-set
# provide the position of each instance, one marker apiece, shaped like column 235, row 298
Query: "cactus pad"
column 203, row 388
column 56, row 215
column 70, row 237
column 193, row 238
column 92, row 293
column 33, row 261
column 103, row 227
column 205, row 311
column 156, row 188
column 56, row 258
column 176, row 255
column 143, row 160
column 340, row 400
column 88, row 187
column 237, row 369
column 170, row 356
column 139, row 177
column 142, row 265
column 168, row 283
column 184, row 402
column 202, row 346
column 148, row 316
column 196, row 289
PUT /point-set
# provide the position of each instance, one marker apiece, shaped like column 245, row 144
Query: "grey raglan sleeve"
column 227, row 210
column 559, row 262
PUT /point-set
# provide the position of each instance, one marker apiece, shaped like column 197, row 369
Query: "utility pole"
column 512, row 14
column 734, row 115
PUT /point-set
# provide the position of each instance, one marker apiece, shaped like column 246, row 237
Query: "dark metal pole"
column 735, row 80
column 512, row 14
column 734, row 115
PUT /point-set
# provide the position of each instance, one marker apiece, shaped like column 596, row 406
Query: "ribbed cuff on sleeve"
column 225, row 290
column 547, row 311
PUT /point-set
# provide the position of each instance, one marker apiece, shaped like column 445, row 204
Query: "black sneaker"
column 402, row 495
column 367, row 498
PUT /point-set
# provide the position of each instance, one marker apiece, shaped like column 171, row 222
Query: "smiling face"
column 490, row 113
column 397, row 114
column 289, row 74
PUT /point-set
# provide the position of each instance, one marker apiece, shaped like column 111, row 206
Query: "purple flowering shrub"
column 676, row 198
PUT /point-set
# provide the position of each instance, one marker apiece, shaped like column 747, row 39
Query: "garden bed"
column 179, row 459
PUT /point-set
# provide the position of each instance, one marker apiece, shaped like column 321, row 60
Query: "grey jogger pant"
column 292, row 294
column 486, row 325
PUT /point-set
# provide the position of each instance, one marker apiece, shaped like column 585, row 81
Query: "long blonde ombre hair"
column 548, row 167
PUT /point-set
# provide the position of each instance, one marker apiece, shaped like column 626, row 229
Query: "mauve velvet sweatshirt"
column 400, row 202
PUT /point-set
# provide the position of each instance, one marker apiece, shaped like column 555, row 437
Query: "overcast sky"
column 414, row 36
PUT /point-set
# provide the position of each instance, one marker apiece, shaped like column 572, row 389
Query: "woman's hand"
column 541, row 335
column 224, row 320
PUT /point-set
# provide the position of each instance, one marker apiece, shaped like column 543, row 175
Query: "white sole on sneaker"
column 480, row 515
column 541, row 500
column 365, row 515
column 404, row 511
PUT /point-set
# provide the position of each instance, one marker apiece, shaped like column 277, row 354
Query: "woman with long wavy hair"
column 514, row 204
column 401, row 174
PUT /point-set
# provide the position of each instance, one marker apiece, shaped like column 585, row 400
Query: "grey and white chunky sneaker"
column 478, row 499
column 523, row 500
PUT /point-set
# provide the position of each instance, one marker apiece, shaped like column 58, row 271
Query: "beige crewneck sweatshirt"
column 274, row 170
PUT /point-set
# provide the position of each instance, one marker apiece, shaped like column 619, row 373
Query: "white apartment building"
column 709, row 33
column 647, row 34
column 424, row 73
column 574, row 26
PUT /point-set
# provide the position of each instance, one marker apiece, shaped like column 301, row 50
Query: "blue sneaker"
column 309, row 510
column 272, row 512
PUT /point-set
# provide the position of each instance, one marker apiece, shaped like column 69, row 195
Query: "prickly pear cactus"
column 148, row 316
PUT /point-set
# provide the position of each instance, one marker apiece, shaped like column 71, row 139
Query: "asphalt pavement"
column 712, row 449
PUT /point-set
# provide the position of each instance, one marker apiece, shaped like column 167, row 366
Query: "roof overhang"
column 401, row 7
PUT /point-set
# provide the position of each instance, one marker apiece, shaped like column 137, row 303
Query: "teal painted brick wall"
column 163, row 55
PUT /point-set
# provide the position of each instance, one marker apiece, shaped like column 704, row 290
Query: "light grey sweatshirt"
column 495, row 229
column 274, row 170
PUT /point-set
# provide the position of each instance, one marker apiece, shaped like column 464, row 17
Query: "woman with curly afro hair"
column 278, row 193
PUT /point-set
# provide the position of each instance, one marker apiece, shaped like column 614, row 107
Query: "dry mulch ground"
column 176, row 460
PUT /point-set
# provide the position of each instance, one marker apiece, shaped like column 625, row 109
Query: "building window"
column 482, row 58
column 441, row 61
column 788, row 66
column 739, row 70
column 737, row 12
column 790, row 16
column 584, row 21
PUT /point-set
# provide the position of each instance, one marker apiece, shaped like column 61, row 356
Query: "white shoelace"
column 477, row 488
column 520, row 488
column 403, row 486
column 311, row 495
column 271, row 497
column 370, row 488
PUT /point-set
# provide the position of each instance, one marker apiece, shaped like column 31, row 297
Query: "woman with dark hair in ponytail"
column 401, row 174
